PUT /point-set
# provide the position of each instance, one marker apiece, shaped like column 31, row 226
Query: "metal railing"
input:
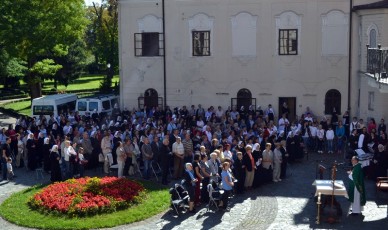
column 377, row 62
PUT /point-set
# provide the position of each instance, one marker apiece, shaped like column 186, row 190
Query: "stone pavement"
column 285, row 205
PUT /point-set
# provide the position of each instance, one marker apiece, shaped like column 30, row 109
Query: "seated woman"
column 227, row 185
column 189, row 184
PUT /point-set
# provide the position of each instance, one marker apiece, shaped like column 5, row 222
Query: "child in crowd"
column 330, row 139
column 321, row 138
column 9, row 168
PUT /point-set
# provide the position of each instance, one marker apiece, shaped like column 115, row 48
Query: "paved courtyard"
column 285, row 205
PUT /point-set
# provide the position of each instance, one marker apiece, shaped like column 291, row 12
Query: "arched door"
column 244, row 98
column 151, row 98
column 333, row 100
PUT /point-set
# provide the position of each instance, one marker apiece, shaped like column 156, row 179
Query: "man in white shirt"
column 219, row 113
column 67, row 129
column 282, row 123
column 178, row 150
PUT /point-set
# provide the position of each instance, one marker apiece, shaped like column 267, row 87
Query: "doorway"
column 151, row 98
column 244, row 98
column 290, row 102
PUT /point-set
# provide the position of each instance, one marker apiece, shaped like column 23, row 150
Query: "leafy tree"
column 34, row 30
column 73, row 63
column 11, row 70
column 102, row 37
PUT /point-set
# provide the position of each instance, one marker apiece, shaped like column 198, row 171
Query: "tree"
column 34, row 30
column 73, row 63
column 102, row 37
column 11, row 69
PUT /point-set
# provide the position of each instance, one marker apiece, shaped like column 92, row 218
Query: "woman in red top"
column 371, row 125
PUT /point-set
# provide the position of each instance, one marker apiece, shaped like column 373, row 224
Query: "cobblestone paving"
column 285, row 205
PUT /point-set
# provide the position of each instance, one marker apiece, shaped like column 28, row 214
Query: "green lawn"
column 16, row 210
column 86, row 82
column 21, row 107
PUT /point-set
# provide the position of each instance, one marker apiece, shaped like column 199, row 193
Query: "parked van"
column 101, row 103
column 53, row 104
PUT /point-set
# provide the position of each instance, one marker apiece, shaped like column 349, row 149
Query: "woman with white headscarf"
column 55, row 164
column 46, row 154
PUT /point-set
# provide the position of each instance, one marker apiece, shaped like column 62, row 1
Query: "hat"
column 248, row 147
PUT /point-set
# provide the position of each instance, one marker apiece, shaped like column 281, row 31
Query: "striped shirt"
column 188, row 147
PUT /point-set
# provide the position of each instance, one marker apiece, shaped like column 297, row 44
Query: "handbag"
column 101, row 158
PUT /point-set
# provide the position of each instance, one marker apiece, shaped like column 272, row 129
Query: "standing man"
column 165, row 155
column 5, row 153
column 356, row 188
column 147, row 153
column 178, row 151
column 86, row 144
column 188, row 148
column 155, row 146
column 270, row 113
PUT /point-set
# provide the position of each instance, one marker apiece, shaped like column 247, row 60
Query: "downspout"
column 350, row 52
column 164, row 56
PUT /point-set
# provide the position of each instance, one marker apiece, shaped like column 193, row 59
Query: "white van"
column 101, row 103
column 53, row 104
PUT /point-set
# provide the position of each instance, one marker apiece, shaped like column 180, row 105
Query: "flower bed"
column 87, row 196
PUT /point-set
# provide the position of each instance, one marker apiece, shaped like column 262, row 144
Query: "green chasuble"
column 358, row 182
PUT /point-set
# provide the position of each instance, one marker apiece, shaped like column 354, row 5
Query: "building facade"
column 246, row 52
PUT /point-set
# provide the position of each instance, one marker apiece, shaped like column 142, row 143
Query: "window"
column 201, row 43
column 333, row 100
column 93, row 106
column 372, row 38
column 106, row 105
column 67, row 107
column 43, row 110
column 82, row 105
column 149, row 44
column 113, row 102
column 288, row 42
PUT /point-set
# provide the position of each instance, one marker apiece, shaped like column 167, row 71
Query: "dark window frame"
column 201, row 50
column 149, row 44
column 286, row 45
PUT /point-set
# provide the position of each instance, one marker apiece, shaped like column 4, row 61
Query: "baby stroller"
column 179, row 198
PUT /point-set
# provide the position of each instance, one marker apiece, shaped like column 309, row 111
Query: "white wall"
column 216, row 79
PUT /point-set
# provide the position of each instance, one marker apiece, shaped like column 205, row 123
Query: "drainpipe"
column 350, row 53
column 164, row 56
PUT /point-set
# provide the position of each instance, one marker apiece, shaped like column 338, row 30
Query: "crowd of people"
column 243, row 148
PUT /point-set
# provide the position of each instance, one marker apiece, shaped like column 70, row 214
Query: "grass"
column 21, row 107
column 86, row 82
column 83, row 83
column 15, row 210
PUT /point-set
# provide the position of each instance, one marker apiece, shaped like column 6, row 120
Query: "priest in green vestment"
column 356, row 189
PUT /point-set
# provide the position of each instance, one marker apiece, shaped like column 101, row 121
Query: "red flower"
column 87, row 196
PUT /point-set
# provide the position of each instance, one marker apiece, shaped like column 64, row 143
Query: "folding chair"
column 136, row 167
column 214, row 196
column 39, row 173
column 179, row 198
column 114, row 168
column 155, row 165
